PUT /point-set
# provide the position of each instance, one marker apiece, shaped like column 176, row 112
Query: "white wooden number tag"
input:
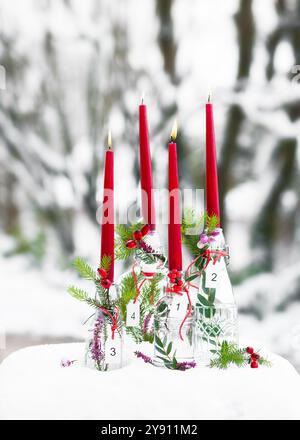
column 213, row 275
column 113, row 351
column 133, row 314
column 179, row 306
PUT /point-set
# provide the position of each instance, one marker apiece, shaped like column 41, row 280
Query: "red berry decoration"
column 102, row 272
column 145, row 230
column 106, row 283
column 255, row 357
column 254, row 364
column 137, row 235
column 250, row 350
column 131, row 244
column 179, row 282
column 171, row 276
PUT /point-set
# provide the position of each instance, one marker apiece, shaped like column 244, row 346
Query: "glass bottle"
column 105, row 341
column 148, row 272
column 174, row 330
column 216, row 309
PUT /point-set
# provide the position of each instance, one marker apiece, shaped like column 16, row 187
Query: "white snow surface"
column 34, row 386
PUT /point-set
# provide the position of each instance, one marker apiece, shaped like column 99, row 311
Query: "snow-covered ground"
column 34, row 386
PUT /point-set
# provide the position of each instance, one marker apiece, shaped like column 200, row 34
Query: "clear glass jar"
column 214, row 325
column 173, row 330
column 148, row 275
column 216, row 316
column 105, row 341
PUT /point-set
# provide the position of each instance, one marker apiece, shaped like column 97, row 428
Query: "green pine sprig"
column 124, row 234
column 83, row 296
column 84, row 269
column 211, row 222
column 230, row 354
column 105, row 262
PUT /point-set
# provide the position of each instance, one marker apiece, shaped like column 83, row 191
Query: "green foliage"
column 105, row 262
column 83, row 296
column 125, row 233
column 265, row 362
column 211, row 222
column 191, row 229
column 228, row 354
column 165, row 350
column 84, row 269
column 206, row 307
column 127, row 292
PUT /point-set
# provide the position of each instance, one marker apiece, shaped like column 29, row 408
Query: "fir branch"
column 83, row 296
column 228, row 354
column 84, row 269
column 121, row 251
column 127, row 292
column 105, row 262
column 211, row 222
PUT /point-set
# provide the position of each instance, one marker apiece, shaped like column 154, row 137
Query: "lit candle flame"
column 109, row 141
column 174, row 131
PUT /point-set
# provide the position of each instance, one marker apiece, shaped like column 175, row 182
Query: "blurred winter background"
column 73, row 66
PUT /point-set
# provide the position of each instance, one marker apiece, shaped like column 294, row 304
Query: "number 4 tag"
column 133, row 314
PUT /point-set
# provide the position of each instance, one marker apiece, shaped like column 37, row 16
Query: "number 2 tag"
column 179, row 306
column 113, row 351
column 133, row 314
column 213, row 274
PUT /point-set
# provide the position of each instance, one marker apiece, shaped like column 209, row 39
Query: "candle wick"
column 209, row 97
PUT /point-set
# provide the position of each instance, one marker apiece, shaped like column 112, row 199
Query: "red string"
column 178, row 290
column 208, row 255
column 114, row 320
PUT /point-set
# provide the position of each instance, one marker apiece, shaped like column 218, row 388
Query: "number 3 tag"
column 133, row 314
column 113, row 351
column 213, row 275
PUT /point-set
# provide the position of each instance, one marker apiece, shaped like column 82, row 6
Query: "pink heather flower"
column 215, row 233
column 145, row 358
column 66, row 363
column 183, row 366
column 203, row 238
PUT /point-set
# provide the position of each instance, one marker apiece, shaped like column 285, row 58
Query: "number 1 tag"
column 213, row 274
column 113, row 351
column 179, row 306
column 133, row 314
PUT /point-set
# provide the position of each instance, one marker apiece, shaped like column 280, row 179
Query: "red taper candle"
column 148, row 208
column 212, row 187
column 174, row 227
column 108, row 226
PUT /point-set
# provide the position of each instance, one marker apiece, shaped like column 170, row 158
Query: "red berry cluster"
column 175, row 277
column 105, row 282
column 137, row 237
column 254, row 357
